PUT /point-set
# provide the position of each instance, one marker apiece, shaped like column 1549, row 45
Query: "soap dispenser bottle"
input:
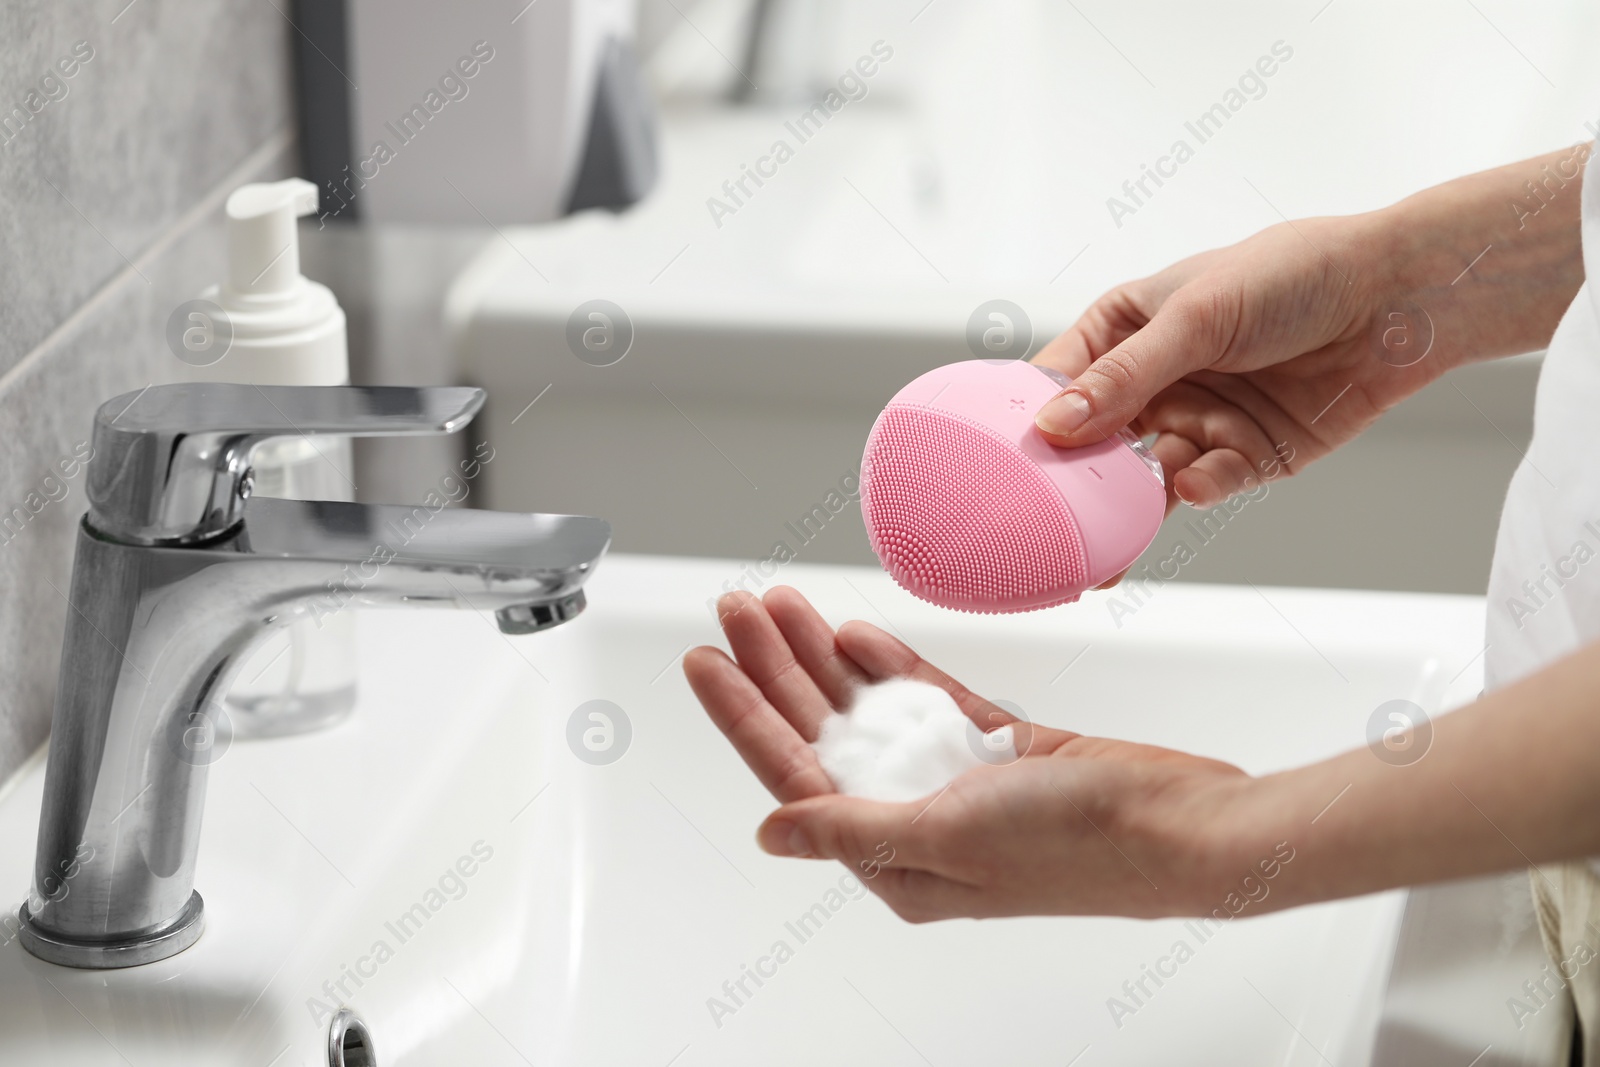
column 287, row 330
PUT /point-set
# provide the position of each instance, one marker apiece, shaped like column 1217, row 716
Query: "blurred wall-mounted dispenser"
column 499, row 111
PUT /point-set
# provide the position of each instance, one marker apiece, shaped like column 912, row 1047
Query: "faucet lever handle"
column 171, row 463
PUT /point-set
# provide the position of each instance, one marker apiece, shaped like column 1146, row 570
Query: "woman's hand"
column 1078, row 825
column 1251, row 361
column 1247, row 362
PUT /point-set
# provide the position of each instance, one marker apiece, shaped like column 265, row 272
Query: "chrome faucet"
column 178, row 573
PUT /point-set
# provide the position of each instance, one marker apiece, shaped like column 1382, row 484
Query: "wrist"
column 1481, row 273
column 1404, row 239
column 1351, row 825
column 1227, row 856
column 1246, row 852
column 1411, row 338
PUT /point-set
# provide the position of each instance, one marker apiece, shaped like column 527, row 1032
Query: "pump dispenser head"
column 968, row 507
column 286, row 329
column 263, row 241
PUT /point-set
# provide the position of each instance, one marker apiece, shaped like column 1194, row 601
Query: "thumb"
column 1116, row 387
column 853, row 831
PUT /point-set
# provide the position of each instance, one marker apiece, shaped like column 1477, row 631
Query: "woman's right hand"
column 1247, row 362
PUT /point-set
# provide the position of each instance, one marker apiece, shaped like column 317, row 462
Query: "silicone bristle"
column 961, row 518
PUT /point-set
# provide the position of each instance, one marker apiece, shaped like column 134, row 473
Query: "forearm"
column 1509, row 781
column 1517, row 228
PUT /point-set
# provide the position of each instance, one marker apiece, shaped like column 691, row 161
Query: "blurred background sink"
column 977, row 164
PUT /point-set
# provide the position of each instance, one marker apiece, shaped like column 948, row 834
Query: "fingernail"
column 784, row 839
column 1064, row 414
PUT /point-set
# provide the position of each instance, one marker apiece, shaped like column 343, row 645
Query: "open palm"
column 1077, row 825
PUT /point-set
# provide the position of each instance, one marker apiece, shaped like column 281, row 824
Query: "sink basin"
column 485, row 894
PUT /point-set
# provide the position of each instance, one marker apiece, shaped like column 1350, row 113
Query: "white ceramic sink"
column 607, row 903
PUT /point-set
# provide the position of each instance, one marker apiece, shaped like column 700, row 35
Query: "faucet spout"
column 323, row 556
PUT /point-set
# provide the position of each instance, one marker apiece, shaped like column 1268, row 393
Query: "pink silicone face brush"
column 969, row 508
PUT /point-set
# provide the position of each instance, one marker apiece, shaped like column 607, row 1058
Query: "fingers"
column 1217, row 436
column 1108, row 322
column 814, row 645
column 1069, row 352
column 762, row 652
column 766, row 741
column 1175, row 453
column 1214, row 477
column 882, row 657
column 1182, row 337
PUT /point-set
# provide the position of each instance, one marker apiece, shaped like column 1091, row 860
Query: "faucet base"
column 148, row 947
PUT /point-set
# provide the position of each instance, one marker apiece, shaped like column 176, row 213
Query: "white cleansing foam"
column 902, row 740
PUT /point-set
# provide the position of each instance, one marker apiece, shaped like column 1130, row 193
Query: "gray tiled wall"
column 111, row 184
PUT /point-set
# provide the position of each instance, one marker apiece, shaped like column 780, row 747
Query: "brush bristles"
column 961, row 518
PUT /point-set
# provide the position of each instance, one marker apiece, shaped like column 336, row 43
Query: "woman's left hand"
column 1077, row 826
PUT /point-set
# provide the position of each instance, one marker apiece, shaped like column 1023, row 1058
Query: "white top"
column 1544, row 585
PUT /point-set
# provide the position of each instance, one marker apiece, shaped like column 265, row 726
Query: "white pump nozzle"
column 263, row 244
column 285, row 329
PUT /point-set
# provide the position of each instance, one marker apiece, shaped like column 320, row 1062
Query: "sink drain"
column 350, row 1042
